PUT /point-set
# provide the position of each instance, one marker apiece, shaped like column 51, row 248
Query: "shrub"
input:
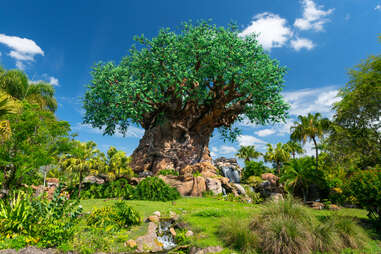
column 166, row 172
column 155, row 189
column 253, row 168
column 114, row 218
column 254, row 181
column 210, row 213
column 365, row 187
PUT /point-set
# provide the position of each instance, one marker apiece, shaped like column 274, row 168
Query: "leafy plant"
column 165, row 172
column 253, row 168
column 155, row 189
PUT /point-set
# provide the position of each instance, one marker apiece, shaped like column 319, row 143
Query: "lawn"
column 204, row 216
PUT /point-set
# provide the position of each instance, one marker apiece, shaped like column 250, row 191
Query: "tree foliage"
column 247, row 153
column 202, row 77
column 277, row 155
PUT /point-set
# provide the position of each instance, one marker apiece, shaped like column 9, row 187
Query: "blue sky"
column 318, row 41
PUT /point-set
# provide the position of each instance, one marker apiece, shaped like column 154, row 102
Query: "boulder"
column 154, row 218
column 273, row 179
column 149, row 242
column 157, row 213
column 211, row 249
column 214, row 185
column 198, row 187
column 189, row 233
column 94, row 179
column 240, row 189
column 130, row 243
column 229, row 168
column 205, row 169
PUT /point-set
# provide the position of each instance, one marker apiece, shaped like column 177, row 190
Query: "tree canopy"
column 203, row 76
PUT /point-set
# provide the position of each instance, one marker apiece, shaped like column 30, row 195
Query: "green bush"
column 365, row 187
column 253, row 168
column 114, row 218
column 42, row 222
column 155, row 189
column 254, row 181
column 166, row 172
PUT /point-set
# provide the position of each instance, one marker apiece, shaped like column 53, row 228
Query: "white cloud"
column 272, row 30
column 222, row 150
column 132, row 132
column 53, row 81
column 300, row 43
column 23, row 49
column 378, row 7
column 247, row 140
column 314, row 17
column 265, row 132
column 312, row 100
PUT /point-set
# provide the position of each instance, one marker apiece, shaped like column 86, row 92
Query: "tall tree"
column 357, row 121
column 277, row 155
column 247, row 153
column 294, row 148
column 81, row 159
column 179, row 87
column 310, row 127
column 7, row 106
column 16, row 84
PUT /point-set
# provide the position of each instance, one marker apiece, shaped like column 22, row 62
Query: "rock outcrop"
column 229, row 168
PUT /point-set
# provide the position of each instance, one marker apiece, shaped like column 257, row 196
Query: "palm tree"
column 310, row 127
column 247, row 153
column 15, row 83
column 296, row 175
column 294, row 148
column 7, row 106
column 81, row 159
column 277, row 155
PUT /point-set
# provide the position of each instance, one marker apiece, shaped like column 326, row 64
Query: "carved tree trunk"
column 171, row 146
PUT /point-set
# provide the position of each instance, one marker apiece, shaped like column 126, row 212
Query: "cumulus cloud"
column 312, row 100
column 46, row 79
column 54, row 81
column 314, row 17
column 378, row 7
column 300, row 43
column 22, row 49
column 272, row 30
column 247, row 140
column 222, row 150
column 265, row 132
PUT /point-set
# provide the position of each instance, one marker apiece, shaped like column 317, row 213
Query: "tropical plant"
column 310, row 127
column 253, row 168
column 81, row 159
column 155, row 189
column 294, row 148
column 277, row 155
column 118, row 163
column 247, row 153
column 179, row 87
column 15, row 83
column 7, row 106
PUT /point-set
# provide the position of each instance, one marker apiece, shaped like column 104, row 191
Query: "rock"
column 214, row 185
column 205, row 169
column 273, row 179
column 173, row 232
column 173, row 215
column 276, row 196
column 189, row 233
column 198, row 187
column 240, row 189
column 315, row 205
column 211, row 249
column 154, row 218
column 229, row 168
column 94, row 179
column 50, row 182
column 156, row 213
column 30, row 250
column 149, row 242
column 130, row 243
column 145, row 173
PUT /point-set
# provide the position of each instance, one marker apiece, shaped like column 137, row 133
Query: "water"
column 164, row 236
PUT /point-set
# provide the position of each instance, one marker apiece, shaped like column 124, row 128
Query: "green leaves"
column 201, row 71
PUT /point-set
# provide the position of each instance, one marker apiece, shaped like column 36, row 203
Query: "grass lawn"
column 204, row 216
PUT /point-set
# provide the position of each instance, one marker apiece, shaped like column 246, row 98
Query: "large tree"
column 179, row 87
column 277, row 155
column 247, row 153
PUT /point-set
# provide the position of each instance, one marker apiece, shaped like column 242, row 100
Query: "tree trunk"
column 80, row 184
column 317, row 153
column 171, row 146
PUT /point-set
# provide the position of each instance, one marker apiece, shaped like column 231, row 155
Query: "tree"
column 179, row 87
column 277, row 155
column 310, row 127
column 356, row 123
column 36, row 137
column 7, row 107
column 294, row 148
column 15, row 83
column 247, row 153
column 81, row 159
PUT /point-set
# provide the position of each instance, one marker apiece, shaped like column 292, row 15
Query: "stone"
column 50, row 182
column 94, row 179
column 173, row 232
column 157, row 213
column 214, row 185
column 154, row 218
column 333, row 207
column 130, row 243
column 211, row 249
column 273, row 179
column 276, row 196
column 189, row 233
column 316, row 205
column 149, row 242
column 173, row 215
column 229, row 168
column 199, row 186
column 240, row 189
column 205, row 169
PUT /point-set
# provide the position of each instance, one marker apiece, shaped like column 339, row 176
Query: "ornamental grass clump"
column 155, row 189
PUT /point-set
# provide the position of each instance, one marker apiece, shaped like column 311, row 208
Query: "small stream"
column 164, row 235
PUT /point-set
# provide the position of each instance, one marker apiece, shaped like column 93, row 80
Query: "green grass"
column 205, row 216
